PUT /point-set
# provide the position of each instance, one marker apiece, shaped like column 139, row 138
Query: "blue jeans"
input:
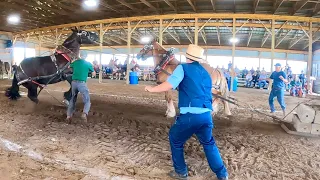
column 248, row 83
column 279, row 93
column 184, row 127
column 264, row 82
column 79, row 86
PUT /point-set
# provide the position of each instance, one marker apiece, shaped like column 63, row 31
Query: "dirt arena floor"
column 127, row 138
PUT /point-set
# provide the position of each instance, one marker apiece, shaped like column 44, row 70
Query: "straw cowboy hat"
column 195, row 53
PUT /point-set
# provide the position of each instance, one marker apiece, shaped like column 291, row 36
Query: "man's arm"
column 172, row 82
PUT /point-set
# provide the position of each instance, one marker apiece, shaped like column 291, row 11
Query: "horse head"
column 153, row 49
column 86, row 37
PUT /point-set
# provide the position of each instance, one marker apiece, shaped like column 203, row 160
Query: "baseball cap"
column 278, row 64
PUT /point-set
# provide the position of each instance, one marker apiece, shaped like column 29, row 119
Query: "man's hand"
column 281, row 77
column 148, row 88
column 93, row 74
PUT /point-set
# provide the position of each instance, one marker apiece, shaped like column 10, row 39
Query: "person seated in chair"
column 262, row 80
column 248, row 80
column 255, row 79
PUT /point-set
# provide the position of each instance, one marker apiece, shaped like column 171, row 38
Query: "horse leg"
column 171, row 111
column 32, row 92
column 215, row 106
column 226, row 105
column 67, row 95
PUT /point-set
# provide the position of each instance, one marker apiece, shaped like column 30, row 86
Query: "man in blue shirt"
column 195, row 104
column 279, row 79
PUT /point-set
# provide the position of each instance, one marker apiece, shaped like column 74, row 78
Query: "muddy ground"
column 127, row 138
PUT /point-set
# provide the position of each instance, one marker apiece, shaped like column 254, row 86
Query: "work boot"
column 175, row 175
column 84, row 117
column 68, row 120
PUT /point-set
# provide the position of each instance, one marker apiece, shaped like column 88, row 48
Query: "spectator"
column 248, row 80
column 237, row 71
column 252, row 70
column 263, row 71
column 229, row 65
column 262, row 80
column 244, row 72
column 302, row 78
column 255, row 78
column 258, row 71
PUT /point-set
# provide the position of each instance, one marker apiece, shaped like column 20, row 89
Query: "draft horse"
column 165, row 63
column 37, row 72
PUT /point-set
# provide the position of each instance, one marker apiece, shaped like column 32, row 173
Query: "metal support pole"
column 233, row 51
column 309, row 64
column 100, row 63
column 129, row 52
column 286, row 58
column 196, row 32
column 273, row 40
column 160, row 32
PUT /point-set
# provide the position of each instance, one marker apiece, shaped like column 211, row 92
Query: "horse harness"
column 169, row 56
column 65, row 52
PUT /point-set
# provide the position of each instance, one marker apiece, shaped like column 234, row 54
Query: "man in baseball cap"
column 279, row 79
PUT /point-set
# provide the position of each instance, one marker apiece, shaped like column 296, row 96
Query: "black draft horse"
column 37, row 72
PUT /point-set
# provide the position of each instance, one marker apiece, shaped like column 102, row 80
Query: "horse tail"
column 13, row 91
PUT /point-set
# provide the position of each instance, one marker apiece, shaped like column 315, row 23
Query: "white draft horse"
column 165, row 63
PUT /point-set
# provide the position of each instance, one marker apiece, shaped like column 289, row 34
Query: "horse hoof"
column 65, row 102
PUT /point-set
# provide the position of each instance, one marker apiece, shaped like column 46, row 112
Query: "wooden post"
column 286, row 58
column 101, row 44
column 196, row 32
column 273, row 40
column 260, row 60
column 160, row 32
column 233, row 51
column 309, row 64
column 40, row 39
column 129, row 52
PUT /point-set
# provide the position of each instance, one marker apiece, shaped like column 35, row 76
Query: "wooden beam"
column 188, row 36
column 196, row 32
column 276, row 5
column 204, row 25
column 174, row 37
column 316, row 9
column 186, row 16
column 213, row 3
column 192, row 5
column 149, row 5
column 296, row 41
column 129, row 6
column 255, row 5
column 250, row 36
column 218, row 34
column 298, row 6
column 171, row 5
column 209, row 47
column 280, row 40
column 266, row 36
column 310, row 55
column 203, row 35
column 168, row 25
column 242, row 25
column 273, row 42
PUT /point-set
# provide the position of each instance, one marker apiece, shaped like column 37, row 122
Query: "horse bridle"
column 166, row 58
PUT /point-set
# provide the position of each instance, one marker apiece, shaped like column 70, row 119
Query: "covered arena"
column 126, row 136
